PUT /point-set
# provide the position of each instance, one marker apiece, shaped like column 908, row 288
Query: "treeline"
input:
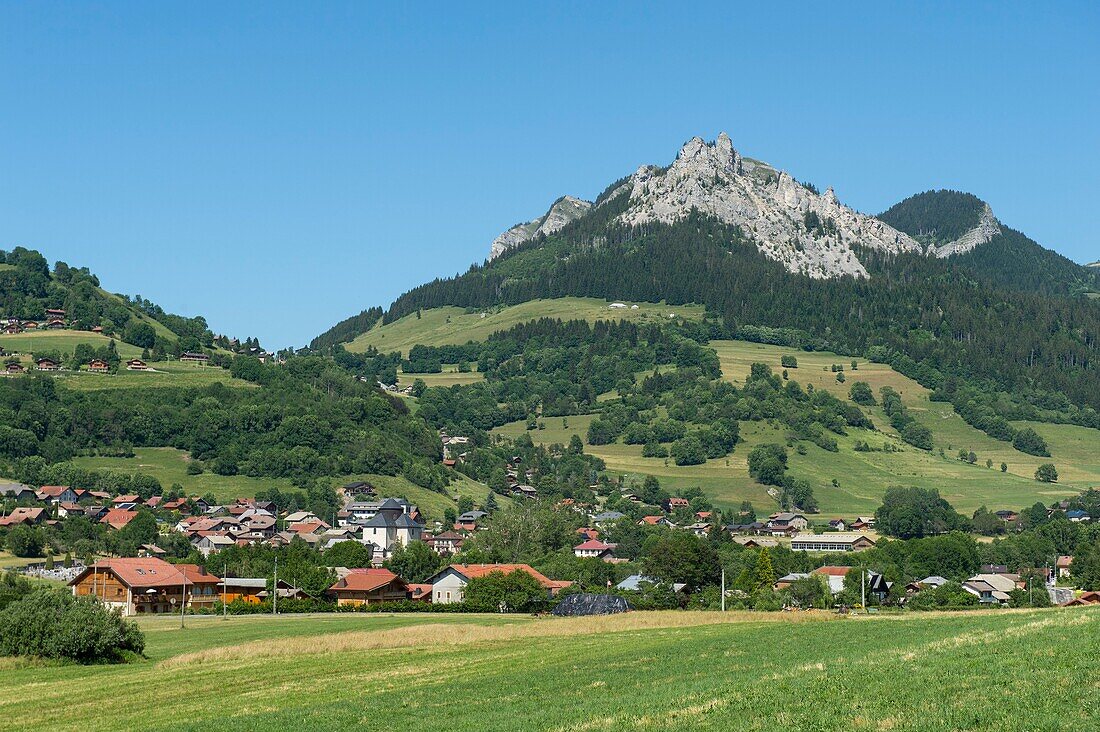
column 347, row 329
column 553, row 368
column 308, row 418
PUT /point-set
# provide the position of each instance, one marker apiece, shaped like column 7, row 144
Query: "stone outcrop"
column 987, row 228
column 564, row 210
column 808, row 232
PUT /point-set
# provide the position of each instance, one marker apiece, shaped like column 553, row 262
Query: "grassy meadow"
column 449, row 376
column 160, row 375
column 862, row 477
column 63, row 341
column 454, row 326
column 641, row 671
column 169, row 466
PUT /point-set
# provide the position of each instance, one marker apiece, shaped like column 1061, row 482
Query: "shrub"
column 51, row 623
column 1029, row 441
column 1047, row 473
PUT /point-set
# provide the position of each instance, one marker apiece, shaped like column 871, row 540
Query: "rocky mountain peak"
column 810, row 233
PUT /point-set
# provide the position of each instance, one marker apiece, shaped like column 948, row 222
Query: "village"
column 380, row 526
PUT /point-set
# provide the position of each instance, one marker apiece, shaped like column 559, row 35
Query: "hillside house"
column 448, row 584
column 675, row 504
column 607, row 517
column 468, row 521
column 190, row 357
column 17, row 492
column 47, row 364
column 1062, row 565
column 14, row 369
column 55, row 324
column 134, row 585
column 787, row 520
column 831, row 542
column 366, row 586
column 136, row 364
column 593, row 549
column 26, row 515
column 212, row 543
column 299, row 517
column 445, row 543
column 98, row 366
column 54, row 313
column 655, row 521
column 991, row 588
column 118, row 518
column 837, row 525
column 1085, row 598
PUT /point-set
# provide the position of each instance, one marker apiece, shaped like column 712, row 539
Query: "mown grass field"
column 161, row 374
column 169, row 466
column 448, row 377
column 997, row 670
column 452, row 325
column 63, row 341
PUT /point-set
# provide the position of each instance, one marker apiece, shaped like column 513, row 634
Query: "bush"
column 26, row 541
column 861, row 393
column 788, row 362
column 1047, row 473
column 688, row 451
column 51, row 623
column 1029, row 441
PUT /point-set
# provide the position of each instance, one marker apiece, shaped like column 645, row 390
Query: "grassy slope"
column 161, row 374
column 448, row 377
column 64, row 341
column 169, row 466
column 452, row 325
column 863, row 477
column 647, row 671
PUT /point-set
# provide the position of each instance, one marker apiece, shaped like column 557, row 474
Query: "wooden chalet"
column 364, row 586
column 141, row 585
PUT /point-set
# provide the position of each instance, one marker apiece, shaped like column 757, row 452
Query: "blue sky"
column 277, row 167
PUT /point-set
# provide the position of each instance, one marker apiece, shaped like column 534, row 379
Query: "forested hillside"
column 1009, row 260
column 934, row 312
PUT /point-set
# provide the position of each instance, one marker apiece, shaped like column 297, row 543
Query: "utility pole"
column 863, row 588
column 225, row 568
column 183, row 599
column 275, row 589
column 723, row 589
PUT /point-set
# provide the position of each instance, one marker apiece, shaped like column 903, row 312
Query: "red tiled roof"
column 416, row 591
column 138, row 572
column 197, row 575
column 53, row 491
column 652, row 520
column 366, row 580
column 116, row 518
column 307, row 527
column 594, row 545
column 470, row 571
column 833, row 571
